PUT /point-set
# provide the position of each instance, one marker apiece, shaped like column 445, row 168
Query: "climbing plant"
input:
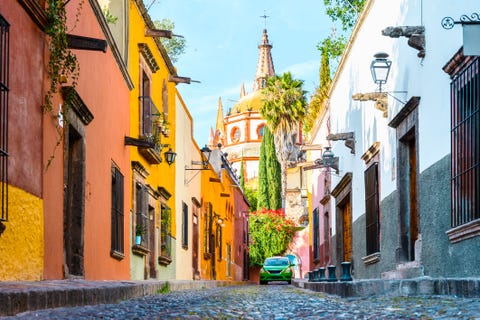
column 270, row 234
column 62, row 64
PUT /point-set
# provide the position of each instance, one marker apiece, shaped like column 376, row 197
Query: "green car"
column 276, row 269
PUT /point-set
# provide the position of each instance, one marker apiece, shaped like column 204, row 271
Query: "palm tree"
column 284, row 109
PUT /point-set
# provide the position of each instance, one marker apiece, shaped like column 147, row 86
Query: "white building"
column 396, row 210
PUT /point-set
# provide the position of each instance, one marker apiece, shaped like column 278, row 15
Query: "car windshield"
column 276, row 262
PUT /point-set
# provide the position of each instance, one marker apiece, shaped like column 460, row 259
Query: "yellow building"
column 152, row 138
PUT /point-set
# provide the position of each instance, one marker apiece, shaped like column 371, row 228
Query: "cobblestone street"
column 275, row 301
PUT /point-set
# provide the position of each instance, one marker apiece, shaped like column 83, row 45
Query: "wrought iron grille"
column 465, row 133
column 4, row 75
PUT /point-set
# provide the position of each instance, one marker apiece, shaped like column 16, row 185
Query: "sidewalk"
column 16, row 297
column 423, row 286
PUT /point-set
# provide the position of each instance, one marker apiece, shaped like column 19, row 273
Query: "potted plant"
column 139, row 233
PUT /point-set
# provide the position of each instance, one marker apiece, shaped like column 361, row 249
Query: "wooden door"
column 347, row 231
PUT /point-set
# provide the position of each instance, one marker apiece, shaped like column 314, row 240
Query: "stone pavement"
column 421, row 286
column 275, row 301
column 16, row 297
column 421, row 298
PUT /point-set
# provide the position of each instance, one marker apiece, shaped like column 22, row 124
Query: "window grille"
column 117, row 211
column 372, row 209
column 465, row 153
column 184, row 225
column 4, row 75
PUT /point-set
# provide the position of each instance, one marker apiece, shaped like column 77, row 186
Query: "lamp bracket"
column 348, row 137
column 160, row 33
column 448, row 22
column 380, row 98
column 318, row 164
column 177, row 79
column 415, row 35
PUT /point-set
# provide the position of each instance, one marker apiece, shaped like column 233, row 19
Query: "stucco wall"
column 439, row 256
column 21, row 244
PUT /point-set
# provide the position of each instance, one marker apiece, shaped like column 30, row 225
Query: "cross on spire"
column 265, row 17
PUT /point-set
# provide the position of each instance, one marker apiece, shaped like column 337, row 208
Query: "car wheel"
column 263, row 282
column 289, row 281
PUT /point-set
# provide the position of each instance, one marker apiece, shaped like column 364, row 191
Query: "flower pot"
column 138, row 240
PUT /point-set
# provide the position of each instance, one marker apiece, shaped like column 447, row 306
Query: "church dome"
column 250, row 102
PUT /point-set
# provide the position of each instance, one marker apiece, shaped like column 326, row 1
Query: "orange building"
column 223, row 208
column 22, row 45
column 86, row 199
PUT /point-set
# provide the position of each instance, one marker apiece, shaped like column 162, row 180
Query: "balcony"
column 152, row 125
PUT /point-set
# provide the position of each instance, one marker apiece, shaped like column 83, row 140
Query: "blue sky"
column 222, row 38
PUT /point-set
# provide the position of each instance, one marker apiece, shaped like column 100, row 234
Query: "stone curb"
column 467, row 288
column 17, row 297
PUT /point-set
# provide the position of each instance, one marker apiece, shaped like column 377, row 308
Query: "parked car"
column 276, row 269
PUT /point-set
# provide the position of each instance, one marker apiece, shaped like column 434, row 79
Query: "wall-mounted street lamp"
column 328, row 160
column 170, row 156
column 327, row 157
column 206, row 152
column 380, row 68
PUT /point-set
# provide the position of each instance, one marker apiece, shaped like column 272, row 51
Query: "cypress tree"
column 274, row 172
column 242, row 176
column 263, row 201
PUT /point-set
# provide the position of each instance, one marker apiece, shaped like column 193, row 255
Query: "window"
column 207, row 229
column 372, row 209
column 117, row 249
column 142, row 213
column 146, row 104
column 219, row 236
column 316, row 235
column 235, row 134
column 260, row 131
column 465, row 130
column 229, row 260
column 184, row 225
column 4, row 64
column 165, row 235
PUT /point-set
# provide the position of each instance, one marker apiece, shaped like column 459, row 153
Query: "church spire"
column 265, row 67
column 219, row 128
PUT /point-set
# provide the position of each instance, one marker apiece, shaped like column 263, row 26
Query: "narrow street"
column 274, row 301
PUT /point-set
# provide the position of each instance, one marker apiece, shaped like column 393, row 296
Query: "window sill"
column 371, row 259
column 140, row 250
column 117, row 255
column 164, row 261
column 464, row 232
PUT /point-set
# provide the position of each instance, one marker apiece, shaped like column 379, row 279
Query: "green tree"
column 269, row 175
column 175, row 46
column 284, row 109
column 345, row 11
column 330, row 49
column 263, row 200
column 270, row 234
column 274, row 172
column 242, row 175
column 251, row 195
